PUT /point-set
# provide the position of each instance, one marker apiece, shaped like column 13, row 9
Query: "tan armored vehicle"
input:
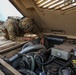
column 43, row 42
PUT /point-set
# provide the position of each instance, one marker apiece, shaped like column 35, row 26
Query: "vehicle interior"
column 42, row 42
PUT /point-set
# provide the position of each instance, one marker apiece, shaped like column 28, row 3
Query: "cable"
column 45, row 63
column 60, row 70
column 32, row 63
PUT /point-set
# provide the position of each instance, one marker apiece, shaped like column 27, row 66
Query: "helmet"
column 26, row 24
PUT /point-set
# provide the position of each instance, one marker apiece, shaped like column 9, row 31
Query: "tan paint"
column 49, row 20
column 10, row 68
column 1, row 73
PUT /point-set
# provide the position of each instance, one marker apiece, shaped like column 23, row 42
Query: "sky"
column 7, row 9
